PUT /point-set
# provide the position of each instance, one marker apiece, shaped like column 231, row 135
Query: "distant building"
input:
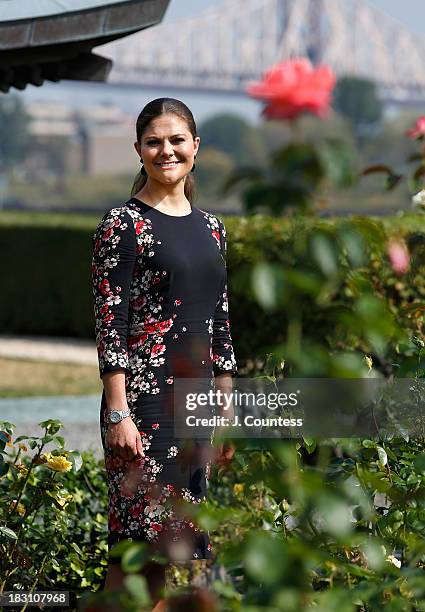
column 96, row 140
column 109, row 150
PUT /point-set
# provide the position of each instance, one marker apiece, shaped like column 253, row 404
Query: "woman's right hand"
column 124, row 439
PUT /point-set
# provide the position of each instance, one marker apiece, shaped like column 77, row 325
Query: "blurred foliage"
column 233, row 135
column 412, row 171
column 357, row 99
column 321, row 294
column 331, row 526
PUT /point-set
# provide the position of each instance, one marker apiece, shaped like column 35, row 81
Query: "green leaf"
column 8, row 533
column 310, row 444
column 264, row 558
column 75, row 458
column 324, row 252
column 267, row 284
column 382, row 456
column 337, row 159
column 52, row 425
column 419, row 463
column 59, row 441
column 134, row 558
column 137, row 586
column 77, row 549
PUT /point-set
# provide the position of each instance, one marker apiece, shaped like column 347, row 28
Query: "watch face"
column 115, row 417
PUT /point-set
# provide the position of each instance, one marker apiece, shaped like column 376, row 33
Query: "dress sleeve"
column 114, row 257
column 222, row 348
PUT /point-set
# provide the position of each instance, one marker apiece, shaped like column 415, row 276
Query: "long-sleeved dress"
column 161, row 312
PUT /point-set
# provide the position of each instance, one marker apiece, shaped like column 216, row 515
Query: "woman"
column 161, row 313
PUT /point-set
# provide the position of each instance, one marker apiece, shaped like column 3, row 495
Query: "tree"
column 358, row 100
column 231, row 134
column 14, row 135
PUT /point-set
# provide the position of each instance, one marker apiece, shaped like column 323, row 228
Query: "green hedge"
column 46, row 279
column 46, row 282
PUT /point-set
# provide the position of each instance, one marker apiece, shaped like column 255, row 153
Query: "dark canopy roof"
column 53, row 39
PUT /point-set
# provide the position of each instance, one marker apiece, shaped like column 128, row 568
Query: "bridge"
column 233, row 42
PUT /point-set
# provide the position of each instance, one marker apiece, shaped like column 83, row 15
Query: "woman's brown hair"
column 152, row 110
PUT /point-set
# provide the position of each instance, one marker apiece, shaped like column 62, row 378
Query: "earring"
column 194, row 165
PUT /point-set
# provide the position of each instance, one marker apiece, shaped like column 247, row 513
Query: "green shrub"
column 53, row 513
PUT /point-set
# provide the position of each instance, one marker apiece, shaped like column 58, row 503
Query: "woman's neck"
column 174, row 203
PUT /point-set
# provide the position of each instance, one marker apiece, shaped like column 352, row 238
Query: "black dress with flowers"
column 161, row 312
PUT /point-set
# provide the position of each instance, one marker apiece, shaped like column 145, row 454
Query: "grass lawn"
column 21, row 378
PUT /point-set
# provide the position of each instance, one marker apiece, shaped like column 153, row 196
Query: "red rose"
column 294, row 87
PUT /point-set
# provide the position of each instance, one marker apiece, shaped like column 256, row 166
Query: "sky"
column 409, row 12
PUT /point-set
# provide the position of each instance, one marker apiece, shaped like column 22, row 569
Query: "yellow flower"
column 65, row 500
column 238, row 488
column 22, row 469
column 285, row 505
column 20, row 508
column 368, row 361
column 58, row 463
column 394, row 561
column 22, row 446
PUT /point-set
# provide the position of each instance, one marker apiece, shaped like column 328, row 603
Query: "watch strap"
column 122, row 413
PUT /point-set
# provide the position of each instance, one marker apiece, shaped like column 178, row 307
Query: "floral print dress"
column 161, row 312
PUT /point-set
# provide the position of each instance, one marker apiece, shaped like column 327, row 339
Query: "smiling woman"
column 161, row 311
column 166, row 143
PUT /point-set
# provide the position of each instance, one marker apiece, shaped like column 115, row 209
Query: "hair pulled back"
column 152, row 110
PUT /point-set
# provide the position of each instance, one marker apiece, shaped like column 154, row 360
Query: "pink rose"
column 418, row 130
column 294, row 87
column 398, row 256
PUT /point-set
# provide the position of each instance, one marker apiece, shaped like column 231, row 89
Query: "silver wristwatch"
column 115, row 416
